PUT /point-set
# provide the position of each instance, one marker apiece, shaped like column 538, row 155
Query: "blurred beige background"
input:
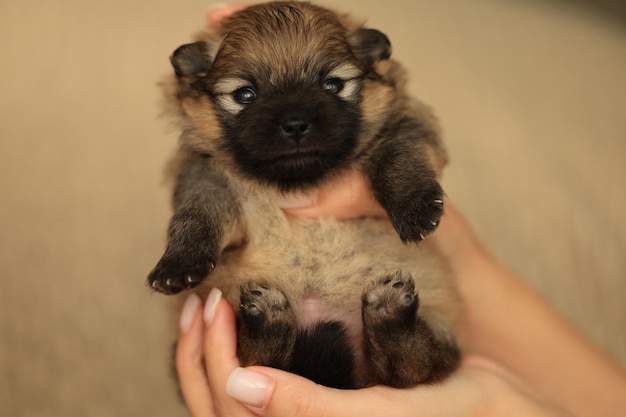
column 531, row 94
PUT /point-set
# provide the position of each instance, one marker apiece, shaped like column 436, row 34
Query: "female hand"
column 214, row 384
column 218, row 386
column 508, row 326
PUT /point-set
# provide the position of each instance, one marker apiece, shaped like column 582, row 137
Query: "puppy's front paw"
column 175, row 274
column 181, row 269
column 418, row 213
column 391, row 300
column 192, row 251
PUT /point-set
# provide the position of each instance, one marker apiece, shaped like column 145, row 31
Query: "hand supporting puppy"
column 220, row 387
column 480, row 387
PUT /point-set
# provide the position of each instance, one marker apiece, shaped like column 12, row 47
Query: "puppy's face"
column 285, row 82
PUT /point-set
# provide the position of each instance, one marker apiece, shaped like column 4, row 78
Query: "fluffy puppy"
column 282, row 98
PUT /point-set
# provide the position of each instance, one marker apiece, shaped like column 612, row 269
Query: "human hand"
column 218, row 386
column 345, row 197
column 350, row 196
column 217, row 13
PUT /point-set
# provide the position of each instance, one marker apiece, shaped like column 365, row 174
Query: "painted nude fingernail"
column 189, row 310
column 249, row 387
column 210, row 306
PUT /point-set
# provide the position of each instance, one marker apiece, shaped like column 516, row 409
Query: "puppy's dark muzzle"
column 295, row 128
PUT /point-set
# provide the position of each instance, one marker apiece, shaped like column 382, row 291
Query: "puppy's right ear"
column 192, row 60
column 370, row 46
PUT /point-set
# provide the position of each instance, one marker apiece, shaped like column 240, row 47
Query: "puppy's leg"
column 205, row 214
column 323, row 353
column 267, row 326
column 400, row 347
column 404, row 180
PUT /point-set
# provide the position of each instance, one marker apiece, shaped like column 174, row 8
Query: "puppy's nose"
column 295, row 128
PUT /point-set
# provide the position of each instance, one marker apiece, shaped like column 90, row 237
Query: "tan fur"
column 347, row 258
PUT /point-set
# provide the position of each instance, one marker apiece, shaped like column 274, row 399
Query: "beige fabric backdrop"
column 531, row 94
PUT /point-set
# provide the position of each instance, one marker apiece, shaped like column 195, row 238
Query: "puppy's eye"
column 244, row 95
column 333, row 85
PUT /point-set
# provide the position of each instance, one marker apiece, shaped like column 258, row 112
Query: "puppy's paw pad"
column 260, row 302
column 170, row 277
column 391, row 298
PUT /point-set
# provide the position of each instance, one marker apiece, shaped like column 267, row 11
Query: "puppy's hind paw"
column 391, row 300
column 262, row 303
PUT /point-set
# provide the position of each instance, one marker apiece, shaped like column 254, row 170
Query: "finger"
column 220, row 338
column 220, row 353
column 288, row 395
column 346, row 197
column 189, row 365
column 215, row 16
column 297, row 397
column 274, row 393
column 489, row 365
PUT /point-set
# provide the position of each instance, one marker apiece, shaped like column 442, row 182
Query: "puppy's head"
column 284, row 81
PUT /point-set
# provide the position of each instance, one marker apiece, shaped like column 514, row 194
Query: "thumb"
column 283, row 394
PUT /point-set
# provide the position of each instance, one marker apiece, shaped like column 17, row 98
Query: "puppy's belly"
column 313, row 310
column 324, row 268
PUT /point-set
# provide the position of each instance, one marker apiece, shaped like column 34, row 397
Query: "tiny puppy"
column 282, row 98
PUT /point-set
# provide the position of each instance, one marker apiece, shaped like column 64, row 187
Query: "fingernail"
column 189, row 310
column 249, row 387
column 210, row 307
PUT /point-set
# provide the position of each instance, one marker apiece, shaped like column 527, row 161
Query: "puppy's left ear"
column 370, row 46
column 192, row 60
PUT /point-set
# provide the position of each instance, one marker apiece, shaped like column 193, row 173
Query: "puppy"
column 284, row 97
